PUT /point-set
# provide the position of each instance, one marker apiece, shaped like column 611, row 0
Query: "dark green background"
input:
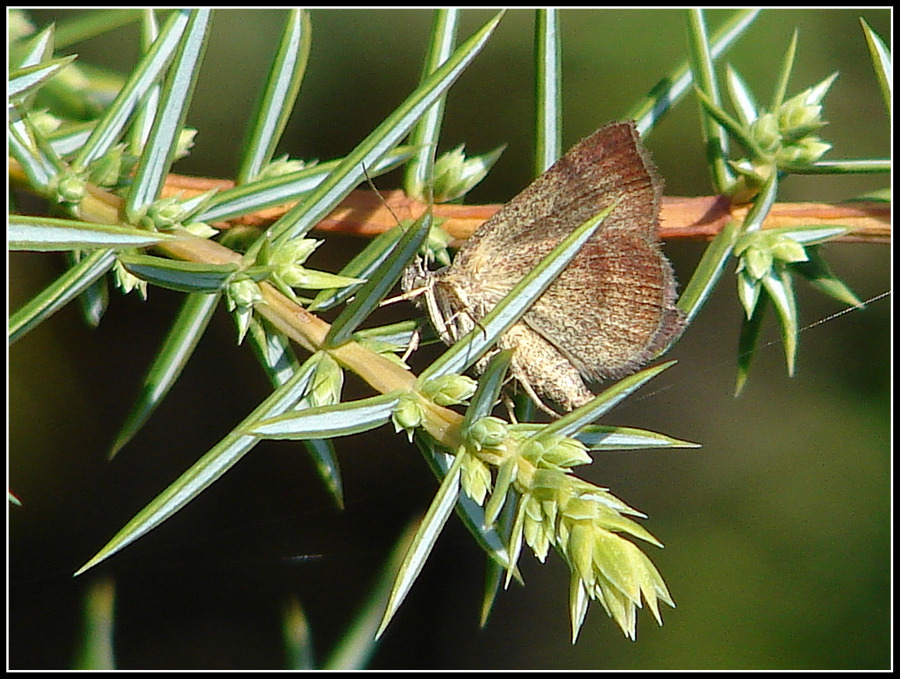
column 776, row 531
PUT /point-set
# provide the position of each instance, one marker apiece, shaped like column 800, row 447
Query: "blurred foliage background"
column 776, row 531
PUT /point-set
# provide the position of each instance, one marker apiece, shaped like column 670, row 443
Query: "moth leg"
column 511, row 408
column 515, row 375
column 413, row 344
column 526, row 387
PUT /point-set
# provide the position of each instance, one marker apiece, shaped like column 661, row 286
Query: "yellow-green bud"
column 70, row 189
column 804, row 152
column 185, row 143
column 200, row 229
column 448, row 390
column 567, row 452
column 760, row 249
column 455, row 175
column 243, row 292
column 127, row 281
column 487, row 432
column 766, row 132
column 165, row 213
column 797, row 118
column 45, row 123
column 105, row 171
column 788, row 250
column 408, row 414
column 555, row 452
column 327, row 381
column 475, row 478
column 282, row 166
column 757, row 263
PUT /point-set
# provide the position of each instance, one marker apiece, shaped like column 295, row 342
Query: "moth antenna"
column 380, row 197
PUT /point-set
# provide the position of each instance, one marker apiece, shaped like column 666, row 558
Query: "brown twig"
column 363, row 213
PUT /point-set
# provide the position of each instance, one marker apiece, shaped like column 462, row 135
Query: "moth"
column 608, row 312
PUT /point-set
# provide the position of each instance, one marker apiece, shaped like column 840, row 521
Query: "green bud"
column 437, row 244
column 454, row 175
column 282, row 166
column 786, row 249
column 487, row 432
column 797, row 117
column 566, row 453
column 45, row 123
column 70, row 188
column 475, row 478
column 288, row 262
column 106, row 170
column 243, row 293
column 760, row 250
column 185, row 143
column 550, row 509
column 581, row 509
column 327, row 382
column 537, row 529
column 310, row 279
column 295, row 252
column 555, row 452
column 448, row 390
column 748, row 292
column 804, row 152
column 127, row 281
column 200, row 230
column 766, row 132
column 408, row 414
column 165, row 213
column 532, row 449
column 448, row 171
column 242, row 316
column 579, row 549
column 757, row 263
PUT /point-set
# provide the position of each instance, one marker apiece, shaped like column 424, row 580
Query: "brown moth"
column 611, row 309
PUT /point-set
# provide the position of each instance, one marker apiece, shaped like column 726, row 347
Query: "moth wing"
column 609, row 164
column 618, row 293
column 618, row 302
